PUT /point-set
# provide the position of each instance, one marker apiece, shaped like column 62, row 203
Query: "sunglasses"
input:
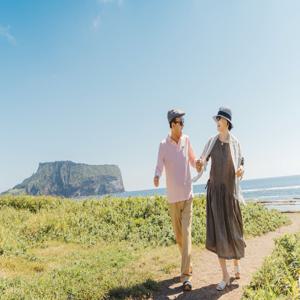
column 181, row 122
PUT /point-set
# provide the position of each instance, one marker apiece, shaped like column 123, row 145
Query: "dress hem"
column 225, row 257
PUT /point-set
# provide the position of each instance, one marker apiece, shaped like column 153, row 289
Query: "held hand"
column 156, row 181
column 199, row 165
column 240, row 172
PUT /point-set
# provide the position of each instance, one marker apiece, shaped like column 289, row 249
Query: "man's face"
column 177, row 126
column 222, row 124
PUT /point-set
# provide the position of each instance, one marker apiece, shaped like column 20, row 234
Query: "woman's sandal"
column 237, row 272
column 223, row 284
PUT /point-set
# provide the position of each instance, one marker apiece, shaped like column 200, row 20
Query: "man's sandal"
column 187, row 286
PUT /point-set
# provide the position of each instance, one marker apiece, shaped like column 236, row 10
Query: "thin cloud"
column 5, row 33
column 118, row 2
column 96, row 22
column 105, row 1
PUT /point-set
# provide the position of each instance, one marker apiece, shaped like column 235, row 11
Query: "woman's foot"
column 222, row 285
column 237, row 272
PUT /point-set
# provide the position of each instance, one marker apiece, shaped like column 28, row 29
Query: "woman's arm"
column 202, row 162
column 240, row 171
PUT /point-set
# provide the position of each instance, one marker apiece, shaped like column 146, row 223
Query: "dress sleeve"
column 205, row 151
column 241, row 157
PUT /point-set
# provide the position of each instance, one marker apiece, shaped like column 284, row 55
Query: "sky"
column 91, row 81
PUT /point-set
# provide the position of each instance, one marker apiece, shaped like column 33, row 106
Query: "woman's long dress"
column 224, row 224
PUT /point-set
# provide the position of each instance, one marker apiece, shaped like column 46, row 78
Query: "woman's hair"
column 229, row 125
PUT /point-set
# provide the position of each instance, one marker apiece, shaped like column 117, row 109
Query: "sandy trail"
column 207, row 272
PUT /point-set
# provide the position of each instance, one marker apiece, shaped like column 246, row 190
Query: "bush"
column 33, row 204
column 137, row 220
column 259, row 220
column 278, row 277
column 99, row 241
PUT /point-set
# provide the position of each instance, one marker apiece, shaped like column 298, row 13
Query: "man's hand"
column 240, row 172
column 156, row 181
column 199, row 165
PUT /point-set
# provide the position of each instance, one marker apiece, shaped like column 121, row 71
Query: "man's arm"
column 159, row 166
column 192, row 156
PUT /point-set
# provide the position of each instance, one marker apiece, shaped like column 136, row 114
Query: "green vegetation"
column 54, row 248
column 279, row 275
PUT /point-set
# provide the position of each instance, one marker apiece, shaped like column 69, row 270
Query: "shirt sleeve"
column 191, row 153
column 160, row 161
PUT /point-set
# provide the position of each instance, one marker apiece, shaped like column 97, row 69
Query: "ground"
column 207, row 272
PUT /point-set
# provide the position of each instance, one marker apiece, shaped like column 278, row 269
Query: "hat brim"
column 215, row 119
column 177, row 116
column 180, row 115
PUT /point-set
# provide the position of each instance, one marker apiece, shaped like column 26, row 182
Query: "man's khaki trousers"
column 181, row 216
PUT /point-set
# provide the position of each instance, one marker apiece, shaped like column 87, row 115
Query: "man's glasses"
column 181, row 122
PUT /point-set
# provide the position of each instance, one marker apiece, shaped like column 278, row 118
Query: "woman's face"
column 222, row 124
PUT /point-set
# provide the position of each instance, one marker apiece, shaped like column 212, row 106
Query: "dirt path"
column 207, row 272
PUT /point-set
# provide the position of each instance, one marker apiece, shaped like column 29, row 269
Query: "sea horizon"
column 244, row 180
column 265, row 189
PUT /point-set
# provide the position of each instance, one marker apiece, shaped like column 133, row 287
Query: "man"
column 175, row 156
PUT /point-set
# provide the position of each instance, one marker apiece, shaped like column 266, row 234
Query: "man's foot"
column 187, row 286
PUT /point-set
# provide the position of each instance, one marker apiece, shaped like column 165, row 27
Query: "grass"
column 54, row 248
column 279, row 275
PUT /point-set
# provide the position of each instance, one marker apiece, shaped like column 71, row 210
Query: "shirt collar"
column 170, row 140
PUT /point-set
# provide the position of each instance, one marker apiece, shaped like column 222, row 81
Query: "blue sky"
column 91, row 81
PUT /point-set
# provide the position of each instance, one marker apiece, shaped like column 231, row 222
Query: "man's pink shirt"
column 176, row 160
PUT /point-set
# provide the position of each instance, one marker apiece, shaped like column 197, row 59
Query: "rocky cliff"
column 69, row 179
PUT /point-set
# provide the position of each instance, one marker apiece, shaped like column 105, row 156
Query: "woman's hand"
column 240, row 172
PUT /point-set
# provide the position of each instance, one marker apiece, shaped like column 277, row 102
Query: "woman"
column 224, row 225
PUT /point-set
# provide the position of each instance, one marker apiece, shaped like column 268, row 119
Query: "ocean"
column 269, row 190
